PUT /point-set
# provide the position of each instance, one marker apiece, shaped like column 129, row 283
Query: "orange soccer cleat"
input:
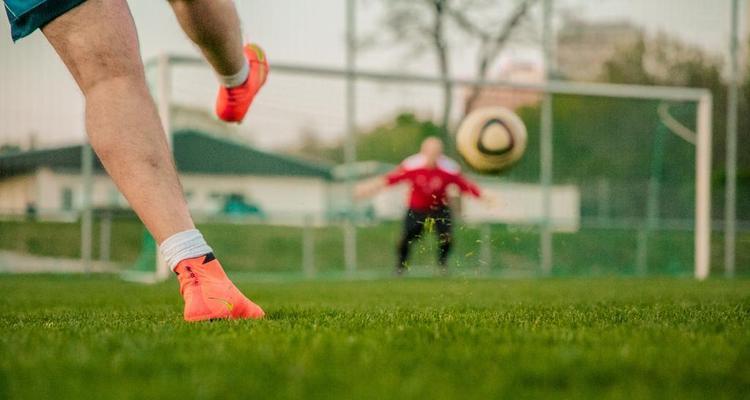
column 232, row 103
column 209, row 294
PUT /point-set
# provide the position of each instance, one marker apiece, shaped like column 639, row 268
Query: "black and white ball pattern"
column 491, row 139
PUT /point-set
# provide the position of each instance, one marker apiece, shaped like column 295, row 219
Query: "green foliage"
column 10, row 148
column 99, row 338
column 614, row 141
column 395, row 141
column 389, row 142
column 662, row 60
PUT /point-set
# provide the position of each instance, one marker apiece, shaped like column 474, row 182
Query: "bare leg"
column 97, row 42
column 214, row 26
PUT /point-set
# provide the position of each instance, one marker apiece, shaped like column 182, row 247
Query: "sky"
column 39, row 99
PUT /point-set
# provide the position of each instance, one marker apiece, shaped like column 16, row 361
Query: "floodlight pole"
column 350, row 145
column 546, row 143
column 730, row 199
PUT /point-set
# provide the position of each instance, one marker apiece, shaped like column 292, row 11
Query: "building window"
column 67, row 199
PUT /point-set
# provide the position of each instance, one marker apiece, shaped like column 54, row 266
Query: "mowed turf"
column 100, row 338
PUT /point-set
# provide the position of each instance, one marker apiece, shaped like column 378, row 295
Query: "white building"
column 511, row 98
column 227, row 179
column 584, row 46
column 219, row 176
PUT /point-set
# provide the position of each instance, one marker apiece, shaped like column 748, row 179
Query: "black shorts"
column 438, row 220
column 26, row 16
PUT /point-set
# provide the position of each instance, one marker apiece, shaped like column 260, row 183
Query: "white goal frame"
column 704, row 120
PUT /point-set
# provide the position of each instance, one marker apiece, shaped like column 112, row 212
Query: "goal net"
column 614, row 180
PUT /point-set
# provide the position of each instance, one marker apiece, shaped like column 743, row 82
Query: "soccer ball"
column 491, row 139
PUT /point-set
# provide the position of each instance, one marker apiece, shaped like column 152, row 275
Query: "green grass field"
column 64, row 337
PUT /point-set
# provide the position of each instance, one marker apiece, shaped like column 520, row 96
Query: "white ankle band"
column 236, row 79
column 183, row 245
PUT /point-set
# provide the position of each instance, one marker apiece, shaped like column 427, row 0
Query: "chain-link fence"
column 622, row 188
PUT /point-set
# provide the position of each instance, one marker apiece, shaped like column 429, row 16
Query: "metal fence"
column 648, row 219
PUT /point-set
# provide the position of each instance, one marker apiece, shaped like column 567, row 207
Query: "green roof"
column 361, row 169
column 195, row 153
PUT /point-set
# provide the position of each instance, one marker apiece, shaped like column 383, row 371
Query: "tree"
column 393, row 141
column 312, row 148
column 9, row 148
column 492, row 39
column 666, row 61
column 424, row 24
column 663, row 60
column 389, row 142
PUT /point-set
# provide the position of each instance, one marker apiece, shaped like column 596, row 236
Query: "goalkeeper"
column 429, row 173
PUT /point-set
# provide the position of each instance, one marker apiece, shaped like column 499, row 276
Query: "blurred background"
column 355, row 86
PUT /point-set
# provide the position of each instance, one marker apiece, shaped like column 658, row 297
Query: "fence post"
column 105, row 236
column 641, row 251
column 546, row 144
column 730, row 196
column 308, row 247
column 602, row 201
column 485, row 250
column 87, row 177
column 350, row 143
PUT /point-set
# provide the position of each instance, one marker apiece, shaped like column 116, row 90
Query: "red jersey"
column 429, row 184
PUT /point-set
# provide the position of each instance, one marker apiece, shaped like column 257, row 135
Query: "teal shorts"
column 26, row 16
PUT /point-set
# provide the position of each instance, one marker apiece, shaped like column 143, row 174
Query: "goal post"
column 701, row 98
column 703, row 188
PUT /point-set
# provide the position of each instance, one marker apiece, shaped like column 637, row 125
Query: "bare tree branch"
column 491, row 44
column 424, row 24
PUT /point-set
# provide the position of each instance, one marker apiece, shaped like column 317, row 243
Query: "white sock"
column 237, row 79
column 183, row 245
